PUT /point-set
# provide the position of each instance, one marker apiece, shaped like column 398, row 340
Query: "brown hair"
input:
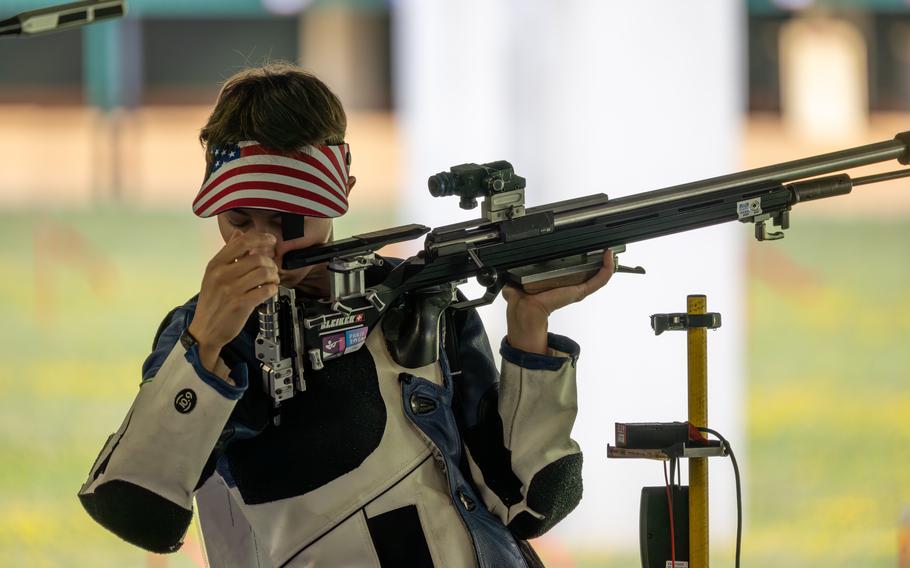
column 279, row 105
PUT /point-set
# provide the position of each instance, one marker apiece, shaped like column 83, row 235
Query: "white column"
column 586, row 97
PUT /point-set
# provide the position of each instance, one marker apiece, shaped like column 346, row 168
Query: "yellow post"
column 698, row 416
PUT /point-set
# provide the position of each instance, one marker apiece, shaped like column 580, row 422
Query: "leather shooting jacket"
column 451, row 464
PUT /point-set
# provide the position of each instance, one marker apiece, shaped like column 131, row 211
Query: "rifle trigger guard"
column 486, row 299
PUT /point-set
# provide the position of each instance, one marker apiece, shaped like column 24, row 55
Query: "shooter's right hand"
column 242, row 275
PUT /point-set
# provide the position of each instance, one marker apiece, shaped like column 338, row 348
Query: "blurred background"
column 809, row 377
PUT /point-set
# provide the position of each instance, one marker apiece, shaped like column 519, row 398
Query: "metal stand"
column 695, row 321
column 696, row 305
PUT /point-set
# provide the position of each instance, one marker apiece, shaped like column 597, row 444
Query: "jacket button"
column 422, row 404
column 466, row 501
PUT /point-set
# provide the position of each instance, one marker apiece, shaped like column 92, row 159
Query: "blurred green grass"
column 828, row 397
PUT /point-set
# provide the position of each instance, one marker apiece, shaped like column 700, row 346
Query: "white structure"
column 586, row 97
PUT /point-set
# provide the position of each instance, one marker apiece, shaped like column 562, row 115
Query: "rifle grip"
column 568, row 271
column 411, row 328
column 583, row 275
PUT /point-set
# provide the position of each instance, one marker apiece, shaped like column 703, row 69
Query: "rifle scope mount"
column 502, row 190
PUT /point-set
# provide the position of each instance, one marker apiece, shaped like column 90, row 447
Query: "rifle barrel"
column 779, row 173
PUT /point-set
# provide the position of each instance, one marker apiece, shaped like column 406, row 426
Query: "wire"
column 672, row 531
column 672, row 472
column 739, row 497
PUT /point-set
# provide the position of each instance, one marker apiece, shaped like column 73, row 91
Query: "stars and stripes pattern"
column 312, row 180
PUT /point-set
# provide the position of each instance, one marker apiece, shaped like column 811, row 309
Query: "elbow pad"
column 141, row 485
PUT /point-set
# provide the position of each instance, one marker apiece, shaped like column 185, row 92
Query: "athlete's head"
column 274, row 144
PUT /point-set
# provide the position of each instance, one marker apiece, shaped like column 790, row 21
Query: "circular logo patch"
column 185, row 401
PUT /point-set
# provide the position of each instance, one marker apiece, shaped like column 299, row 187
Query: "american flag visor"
column 312, row 180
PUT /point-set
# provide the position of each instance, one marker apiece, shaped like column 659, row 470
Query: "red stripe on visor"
column 309, row 181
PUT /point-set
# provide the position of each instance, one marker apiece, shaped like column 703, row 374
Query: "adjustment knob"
column 487, row 277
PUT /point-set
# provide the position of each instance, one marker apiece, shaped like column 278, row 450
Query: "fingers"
column 556, row 298
column 256, row 296
column 609, row 260
column 510, row 293
column 236, row 268
column 561, row 297
column 240, row 243
column 258, row 276
column 600, row 279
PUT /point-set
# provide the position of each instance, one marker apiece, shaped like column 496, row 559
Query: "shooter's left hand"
column 527, row 314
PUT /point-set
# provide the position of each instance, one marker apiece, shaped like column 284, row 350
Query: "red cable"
column 670, row 506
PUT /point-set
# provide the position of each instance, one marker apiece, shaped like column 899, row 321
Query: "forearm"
column 527, row 330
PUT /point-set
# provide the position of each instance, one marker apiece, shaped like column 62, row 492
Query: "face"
column 316, row 231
